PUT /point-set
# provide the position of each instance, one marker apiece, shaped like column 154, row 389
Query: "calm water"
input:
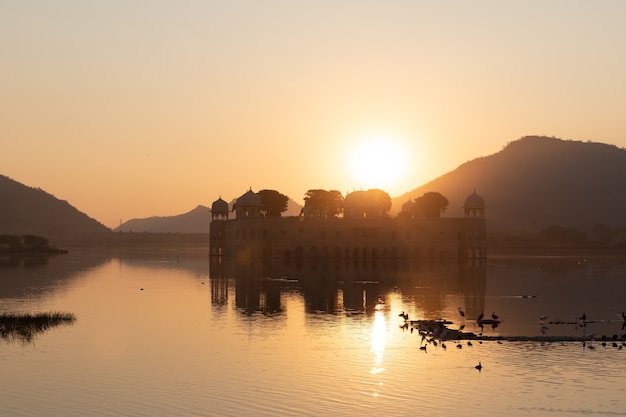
column 174, row 336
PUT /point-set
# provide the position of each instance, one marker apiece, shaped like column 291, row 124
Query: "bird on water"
column 480, row 316
column 479, row 366
column 493, row 316
column 461, row 312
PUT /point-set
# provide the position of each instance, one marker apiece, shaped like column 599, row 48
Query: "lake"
column 183, row 335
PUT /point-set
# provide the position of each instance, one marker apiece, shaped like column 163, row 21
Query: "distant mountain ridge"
column 31, row 211
column 538, row 181
column 194, row 221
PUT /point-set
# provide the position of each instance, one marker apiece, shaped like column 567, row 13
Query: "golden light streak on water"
column 379, row 335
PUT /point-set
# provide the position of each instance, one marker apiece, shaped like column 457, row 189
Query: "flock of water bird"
column 436, row 332
column 581, row 323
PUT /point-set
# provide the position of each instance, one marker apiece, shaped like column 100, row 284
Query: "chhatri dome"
column 362, row 204
column 248, row 205
column 474, row 206
column 219, row 206
column 249, row 199
column 361, row 200
column 407, row 208
column 219, row 209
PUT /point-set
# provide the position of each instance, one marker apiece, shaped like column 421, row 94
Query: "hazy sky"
column 130, row 109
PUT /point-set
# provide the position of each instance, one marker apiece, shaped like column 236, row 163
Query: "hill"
column 536, row 182
column 194, row 221
column 32, row 211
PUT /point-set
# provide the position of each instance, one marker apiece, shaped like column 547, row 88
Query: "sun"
column 379, row 162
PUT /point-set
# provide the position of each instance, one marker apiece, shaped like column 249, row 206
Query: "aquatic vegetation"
column 24, row 327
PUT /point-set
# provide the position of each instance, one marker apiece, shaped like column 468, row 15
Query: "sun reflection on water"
column 378, row 341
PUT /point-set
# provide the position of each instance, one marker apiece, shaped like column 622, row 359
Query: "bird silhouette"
column 493, row 316
column 404, row 315
column 479, row 366
column 461, row 312
column 480, row 316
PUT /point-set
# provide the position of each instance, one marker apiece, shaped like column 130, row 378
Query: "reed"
column 24, row 326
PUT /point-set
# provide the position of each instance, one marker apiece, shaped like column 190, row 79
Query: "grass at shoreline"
column 24, row 327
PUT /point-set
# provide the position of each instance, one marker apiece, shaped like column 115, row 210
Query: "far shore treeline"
column 27, row 244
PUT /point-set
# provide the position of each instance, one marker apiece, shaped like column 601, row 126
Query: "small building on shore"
column 365, row 231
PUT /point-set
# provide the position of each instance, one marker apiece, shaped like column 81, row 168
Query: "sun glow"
column 378, row 162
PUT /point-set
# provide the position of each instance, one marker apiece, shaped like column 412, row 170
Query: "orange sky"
column 134, row 109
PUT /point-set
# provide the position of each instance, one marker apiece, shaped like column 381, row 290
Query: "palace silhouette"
column 365, row 231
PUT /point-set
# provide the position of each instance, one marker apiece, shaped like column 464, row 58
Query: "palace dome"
column 361, row 199
column 474, row 201
column 408, row 206
column 249, row 199
column 219, row 206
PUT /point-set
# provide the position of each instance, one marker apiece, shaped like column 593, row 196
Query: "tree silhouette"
column 10, row 241
column 383, row 197
column 34, row 242
column 323, row 203
column 431, row 204
column 273, row 203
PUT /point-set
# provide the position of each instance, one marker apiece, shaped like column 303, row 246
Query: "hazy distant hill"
column 535, row 182
column 26, row 210
column 195, row 221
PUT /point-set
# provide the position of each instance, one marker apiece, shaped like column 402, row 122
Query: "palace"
column 364, row 231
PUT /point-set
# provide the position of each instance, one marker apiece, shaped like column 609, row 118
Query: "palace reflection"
column 333, row 286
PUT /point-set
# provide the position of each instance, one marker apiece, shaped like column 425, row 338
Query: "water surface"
column 163, row 335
